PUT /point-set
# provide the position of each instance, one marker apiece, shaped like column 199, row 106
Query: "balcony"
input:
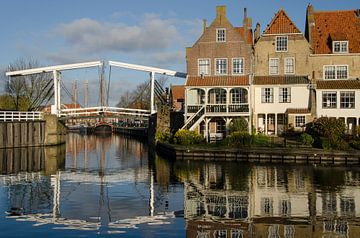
column 230, row 109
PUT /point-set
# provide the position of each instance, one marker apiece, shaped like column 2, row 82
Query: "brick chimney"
column 205, row 25
column 310, row 22
column 220, row 13
column 257, row 33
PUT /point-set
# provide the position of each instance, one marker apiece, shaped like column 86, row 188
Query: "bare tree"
column 140, row 96
column 28, row 92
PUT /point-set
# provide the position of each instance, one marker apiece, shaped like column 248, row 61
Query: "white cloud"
column 89, row 36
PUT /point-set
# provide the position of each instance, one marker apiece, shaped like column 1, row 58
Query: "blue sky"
column 148, row 32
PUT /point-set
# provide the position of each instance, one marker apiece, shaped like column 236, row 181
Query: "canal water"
column 117, row 187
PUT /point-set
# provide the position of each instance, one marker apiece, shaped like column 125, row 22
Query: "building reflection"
column 234, row 200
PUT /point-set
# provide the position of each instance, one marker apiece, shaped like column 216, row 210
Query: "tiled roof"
column 298, row 111
column 265, row 80
column 338, row 84
column 335, row 25
column 217, row 81
column 281, row 24
column 178, row 92
column 249, row 34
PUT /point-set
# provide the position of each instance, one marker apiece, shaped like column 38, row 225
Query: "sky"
column 145, row 32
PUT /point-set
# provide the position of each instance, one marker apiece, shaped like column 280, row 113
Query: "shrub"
column 261, row 139
column 239, row 124
column 239, row 138
column 186, row 137
column 330, row 128
column 306, row 139
column 355, row 144
column 164, row 136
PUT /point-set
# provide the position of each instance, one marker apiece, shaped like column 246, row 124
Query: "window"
column 340, row 46
column 266, row 206
column 335, row 72
column 221, row 66
column 347, row 99
column 289, row 66
column 274, row 66
column 281, row 43
column 220, row 35
column 284, row 95
column 329, row 99
column 267, row 95
column 238, row 95
column 237, row 234
column 204, row 66
column 238, row 66
column 299, row 121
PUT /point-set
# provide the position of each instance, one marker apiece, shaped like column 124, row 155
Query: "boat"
column 103, row 128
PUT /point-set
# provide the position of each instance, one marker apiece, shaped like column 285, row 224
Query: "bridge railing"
column 20, row 116
column 94, row 111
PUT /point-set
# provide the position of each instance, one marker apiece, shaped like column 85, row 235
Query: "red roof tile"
column 178, row 92
column 267, row 80
column 281, row 24
column 338, row 84
column 326, row 26
column 217, row 80
column 298, row 111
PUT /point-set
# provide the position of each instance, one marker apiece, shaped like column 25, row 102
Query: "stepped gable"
column 328, row 26
column 217, row 81
column 281, row 24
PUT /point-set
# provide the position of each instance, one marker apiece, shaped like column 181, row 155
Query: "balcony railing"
column 220, row 108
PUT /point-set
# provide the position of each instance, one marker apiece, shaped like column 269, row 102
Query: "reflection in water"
column 233, row 200
column 116, row 185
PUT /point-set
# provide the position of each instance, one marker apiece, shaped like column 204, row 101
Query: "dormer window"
column 281, row 44
column 220, row 35
column 340, row 46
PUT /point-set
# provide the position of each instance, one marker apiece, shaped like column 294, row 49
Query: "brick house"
column 335, row 63
column 219, row 65
column 281, row 97
column 177, row 97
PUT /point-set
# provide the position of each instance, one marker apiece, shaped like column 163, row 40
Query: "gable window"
column 274, row 66
column 284, row 95
column 329, row 99
column 347, row 99
column 238, row 66
column 335, row 72
column 281, row 43
column 299, row 121
column 289, row 65
column 220, row 35
column 340, row 46
column 220, row 66
column 267, row 95
column 204, row 66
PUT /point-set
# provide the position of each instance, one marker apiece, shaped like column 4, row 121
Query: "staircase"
column 194, row 120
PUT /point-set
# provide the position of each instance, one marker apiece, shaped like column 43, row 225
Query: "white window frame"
column 285, row 65
column 281, row 48
column 349, row 101
column 336, row 67
column 222, row 39
column 282, row 98
column 209, row 69
column 267, row 98
column 270, row 66
column 341, row 49
column 241, row 66
column 329, row 104
column 216, row 66
column 297, row 123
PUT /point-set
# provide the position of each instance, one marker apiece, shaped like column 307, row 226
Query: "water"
column 117, row 187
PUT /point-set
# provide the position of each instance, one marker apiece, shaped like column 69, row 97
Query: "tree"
column 27, row 93
column 139, row 97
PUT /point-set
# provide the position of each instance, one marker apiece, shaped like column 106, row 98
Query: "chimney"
column 245, row 13
column 205, row 25
column 220, row 12
column 358, row 12
column 257, row 32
